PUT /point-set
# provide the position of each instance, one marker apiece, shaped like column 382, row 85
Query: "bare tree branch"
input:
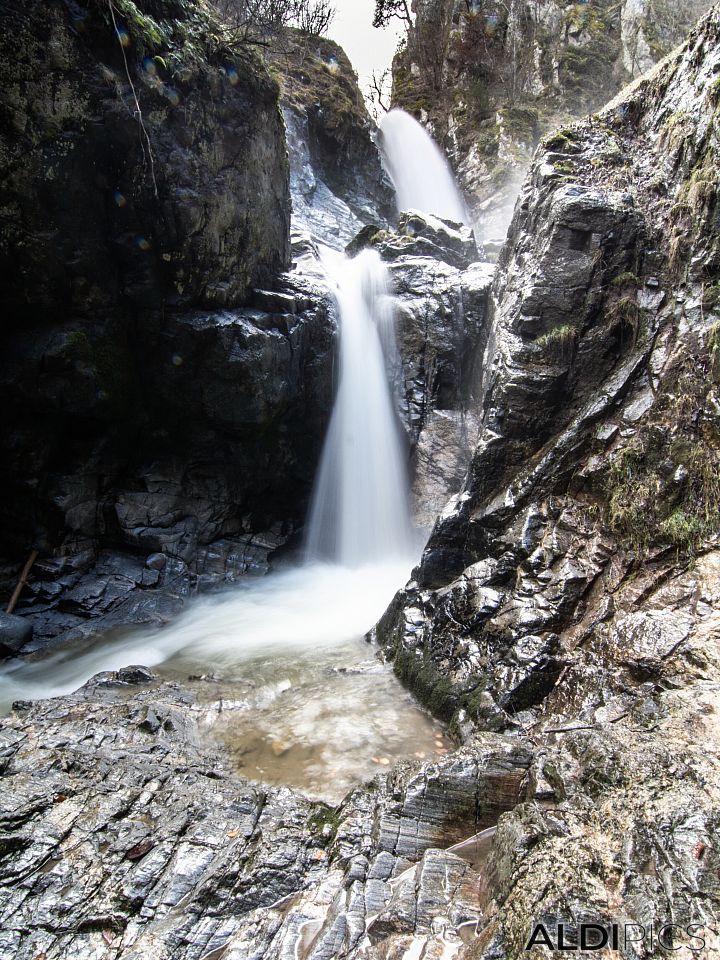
column 379, row 93
column 261, row 21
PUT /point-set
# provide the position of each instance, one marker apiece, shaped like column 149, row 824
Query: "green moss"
column 488, row 144
column 585, row 71
column 475, row 703
column 319, row 81
column 565, row 167
column 369, row 236
column 683, row 530
column 324, row 823
column 626, row 279
column 432, row 688
column 521, row 123
column 78, row 347
column 558, row 343
column 711, row 300
column 678, row 254
column 703, row 485
column 675, row 131
column 644, row 507
column 192, row 38
column 612, row 152
column 142, row 28
column 409, row 92
column 626, row 313
column 632, row 490
column 562, row 141
column 693, row 221
column 714, row 338
column 713, row 92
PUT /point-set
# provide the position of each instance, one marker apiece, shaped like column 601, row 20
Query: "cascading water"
column 420, row 173
column 359, row 512
column 296, row 696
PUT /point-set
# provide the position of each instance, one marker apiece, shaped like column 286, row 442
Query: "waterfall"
column 420, row 173
column 359, row 512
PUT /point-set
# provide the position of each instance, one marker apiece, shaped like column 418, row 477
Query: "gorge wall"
column 166, row 384
column 597, row 457
column 148, row 172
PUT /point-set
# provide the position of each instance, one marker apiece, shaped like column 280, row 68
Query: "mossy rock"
column 433, row 689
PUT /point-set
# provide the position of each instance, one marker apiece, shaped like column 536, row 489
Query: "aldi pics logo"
column 621, row 937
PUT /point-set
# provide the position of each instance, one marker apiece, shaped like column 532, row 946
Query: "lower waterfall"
column 359, row 511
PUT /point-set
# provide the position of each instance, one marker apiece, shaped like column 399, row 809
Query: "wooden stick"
column 592, row 726
column 22, row 581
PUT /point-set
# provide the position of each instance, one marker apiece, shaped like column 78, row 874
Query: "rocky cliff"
column 491, row 77
column 337, row 182
column 570, row 587
column 598, row 394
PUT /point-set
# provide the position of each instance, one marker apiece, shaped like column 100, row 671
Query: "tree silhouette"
column 387, row 10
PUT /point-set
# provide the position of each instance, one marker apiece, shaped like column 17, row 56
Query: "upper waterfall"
column 419, row 171
column 359, row 512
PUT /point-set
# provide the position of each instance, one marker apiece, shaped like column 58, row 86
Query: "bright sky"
column 369, row 49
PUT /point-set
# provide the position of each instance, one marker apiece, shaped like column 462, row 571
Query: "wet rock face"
column 231, row 409
column 606, row 813
column 172, row 855
column 567, row 592
column 584, row 468
column 337, row 182
column 15, row 633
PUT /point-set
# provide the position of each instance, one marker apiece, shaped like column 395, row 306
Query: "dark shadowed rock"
column 15, row 632
column 122, row 223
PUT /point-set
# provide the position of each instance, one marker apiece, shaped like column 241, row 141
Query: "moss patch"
column 665, row 490
column 433, row 689
column 558, row 343
column 324, row 823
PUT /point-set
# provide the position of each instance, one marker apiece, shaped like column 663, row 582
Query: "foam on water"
column 310, row 607
column 291, row 690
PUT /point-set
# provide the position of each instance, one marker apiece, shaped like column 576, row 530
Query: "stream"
column 281, row 675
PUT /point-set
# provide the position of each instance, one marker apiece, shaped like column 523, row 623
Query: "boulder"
column 15, row 633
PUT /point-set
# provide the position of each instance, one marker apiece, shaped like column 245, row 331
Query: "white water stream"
column 284, row 680
column 359, row 513
column 419, row 170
